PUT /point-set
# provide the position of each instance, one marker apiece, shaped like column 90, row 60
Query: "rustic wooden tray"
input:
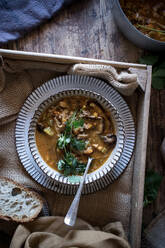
column 142, row 114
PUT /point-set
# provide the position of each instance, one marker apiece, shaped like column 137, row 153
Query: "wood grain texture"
column 87, row 29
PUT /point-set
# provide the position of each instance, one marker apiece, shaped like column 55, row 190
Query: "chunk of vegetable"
column 89, row 150
column 49, row 131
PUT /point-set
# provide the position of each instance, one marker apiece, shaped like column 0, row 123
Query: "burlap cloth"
column 17, row 80
column 51, row 232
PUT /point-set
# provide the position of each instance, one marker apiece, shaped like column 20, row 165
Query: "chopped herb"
column 61, row 165
column 67, row 137
column 78, row 145
column 67, row 142
column 78, row 123
column 70, row 165
column 70, row 122
column 49, row 131
column 63, row 141
column 151, row 29
column 70, row 159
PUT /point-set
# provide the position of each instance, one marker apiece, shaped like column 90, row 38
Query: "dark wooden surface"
column 87, row 29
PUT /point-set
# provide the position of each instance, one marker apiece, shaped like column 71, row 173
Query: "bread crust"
column 33, row 194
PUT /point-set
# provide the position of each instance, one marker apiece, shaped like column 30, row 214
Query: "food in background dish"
column 71, row 130
column 147, row 16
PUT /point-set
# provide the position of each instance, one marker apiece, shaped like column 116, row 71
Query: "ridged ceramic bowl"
column 113, row 158
column 53, row 91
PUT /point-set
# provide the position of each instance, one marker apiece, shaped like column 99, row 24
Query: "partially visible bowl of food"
column 142, row 22
column 69, row 127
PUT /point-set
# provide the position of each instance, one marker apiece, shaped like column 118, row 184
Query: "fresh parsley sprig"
column 63, row 141
column 70, row 165
column 67, row 138
column 78, row 145
column 68, row 142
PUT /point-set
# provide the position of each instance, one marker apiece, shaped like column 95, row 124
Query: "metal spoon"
column 71, row 215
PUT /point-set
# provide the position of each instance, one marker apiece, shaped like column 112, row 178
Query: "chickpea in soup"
column 71, row 130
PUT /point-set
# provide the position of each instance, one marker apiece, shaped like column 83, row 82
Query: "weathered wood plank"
column 85, row 29
column 139, row 169
column 62, row 59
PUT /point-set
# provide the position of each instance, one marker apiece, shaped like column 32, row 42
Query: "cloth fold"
column 51, row 232
column 19, row 17
column 124, row 82
column 22, row 82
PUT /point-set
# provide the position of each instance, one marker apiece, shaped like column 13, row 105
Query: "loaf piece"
column 18, row 203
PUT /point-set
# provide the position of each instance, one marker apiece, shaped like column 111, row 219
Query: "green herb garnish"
column 67, row 137
column 78, row 123
column 151, row 29
column 67, row 142
column 70, row 165
column 78, row 145
column 63, row 141
column 73, row 122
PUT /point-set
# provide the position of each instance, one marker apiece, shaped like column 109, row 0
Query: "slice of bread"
column 18, row 203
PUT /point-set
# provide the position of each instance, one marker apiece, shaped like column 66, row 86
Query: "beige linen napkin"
column 51, row 232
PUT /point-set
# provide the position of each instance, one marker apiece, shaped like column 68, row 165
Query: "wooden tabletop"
column 87, row 29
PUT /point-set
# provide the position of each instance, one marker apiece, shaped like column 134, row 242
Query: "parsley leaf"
column 78, row 123
column 70, row 159
column 78, row 145
column 67, row 137
column 69, row 123
column 70, row 165
column 61, row 164
column 67, row 142
column 63, row 141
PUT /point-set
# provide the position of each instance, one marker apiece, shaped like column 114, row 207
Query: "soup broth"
column 71, row 130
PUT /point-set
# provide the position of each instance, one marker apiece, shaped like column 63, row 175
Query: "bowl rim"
column 113, row 157
column 134, row 28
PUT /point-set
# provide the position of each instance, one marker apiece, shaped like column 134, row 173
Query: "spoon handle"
column 71, row 215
